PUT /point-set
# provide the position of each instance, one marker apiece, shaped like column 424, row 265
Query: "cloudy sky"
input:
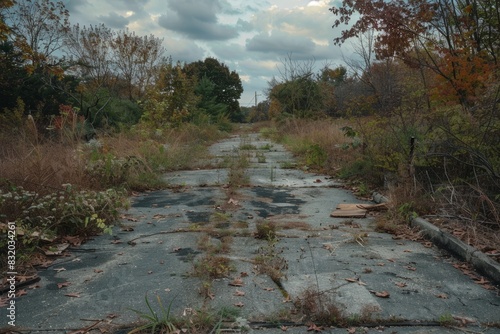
column 249, row 37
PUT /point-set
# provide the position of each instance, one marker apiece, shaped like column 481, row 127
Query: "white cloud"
column 249, row 37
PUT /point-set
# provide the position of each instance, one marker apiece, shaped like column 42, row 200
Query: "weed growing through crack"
column 163, row 322
column 266, row 230
column 318, row 307
column 268, row 261
column 213, row 267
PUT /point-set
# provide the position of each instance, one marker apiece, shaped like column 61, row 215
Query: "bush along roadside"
column 42, row 221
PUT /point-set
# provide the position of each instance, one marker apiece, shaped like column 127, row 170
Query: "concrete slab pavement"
column 310, row 267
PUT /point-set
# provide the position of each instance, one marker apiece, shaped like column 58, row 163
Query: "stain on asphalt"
column 169, row 198
column 186, row 254
column 197, row 217
column 281, row 202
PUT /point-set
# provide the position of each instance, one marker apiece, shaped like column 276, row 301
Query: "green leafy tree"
column 208, row 100
column 227, row 84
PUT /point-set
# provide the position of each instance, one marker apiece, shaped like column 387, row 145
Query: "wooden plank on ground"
column 354, row 213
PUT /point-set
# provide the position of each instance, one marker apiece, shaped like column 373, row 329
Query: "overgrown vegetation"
column 161, row 319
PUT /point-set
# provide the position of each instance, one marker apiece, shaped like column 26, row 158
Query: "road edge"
column 480, row 261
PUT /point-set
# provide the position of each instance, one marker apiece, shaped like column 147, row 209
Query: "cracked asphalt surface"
column 314, row 264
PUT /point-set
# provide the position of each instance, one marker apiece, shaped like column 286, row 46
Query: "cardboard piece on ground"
column 355, row 210
column 354, row 213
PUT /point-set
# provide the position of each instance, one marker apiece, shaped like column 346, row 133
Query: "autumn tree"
column 90, row 53
column 136, row 59
column 171, row 101
column 450, row 37
column 39, row 28
column 456, row 41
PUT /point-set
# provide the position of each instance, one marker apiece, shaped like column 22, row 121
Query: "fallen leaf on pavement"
column 401, row 284
column 315, row 328
column 239, row 293
column 351, row 330
column 240, row 304
column 116, row 241
column 351, row 280
column 237, row 282
column 63, row 284
column 381, row 294
column 269, row 289
column 73, row 295
column 20, row 293
column 442, row 296
column 59, row 269
column 464, row 320
column 284, row 328
column 97, row 271
column 411, row 268
column 481, row 281
column 233, row 201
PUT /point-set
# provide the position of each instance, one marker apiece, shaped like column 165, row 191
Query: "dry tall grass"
column 300, row 134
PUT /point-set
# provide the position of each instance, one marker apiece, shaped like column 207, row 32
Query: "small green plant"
column 266, row 230
column 248, row 147
column 213, row 267
column 446, row 320
column 407, row 211
column 266, row 147
column 316, row 156
column 163, row 322
column 261, row 158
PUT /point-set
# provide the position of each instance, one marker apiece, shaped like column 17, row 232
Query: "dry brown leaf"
column 243, row 274
column 411, row 268
column 233, row 201
column 73, row 295
column 401, row 284
column 239, row 293
column 116, row 241
column 237, row 282
column 240, row 304
column 381, row 294
column 20, row 293
column 464, row 320
column 481, row 281
column 314, row 328
column 269, row 289
column 59, row 269
column 442, row 296
column 97, row 271
column 284, row 328
column 351, row 330
column 63, row 284
column 351, row 280
column 328, row 247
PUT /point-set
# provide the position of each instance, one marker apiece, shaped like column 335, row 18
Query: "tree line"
column 107, row 78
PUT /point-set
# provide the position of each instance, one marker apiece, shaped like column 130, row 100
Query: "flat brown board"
column 349, row 213
column 347, row 206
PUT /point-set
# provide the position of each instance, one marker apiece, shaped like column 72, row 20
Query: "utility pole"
column 255, row 99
